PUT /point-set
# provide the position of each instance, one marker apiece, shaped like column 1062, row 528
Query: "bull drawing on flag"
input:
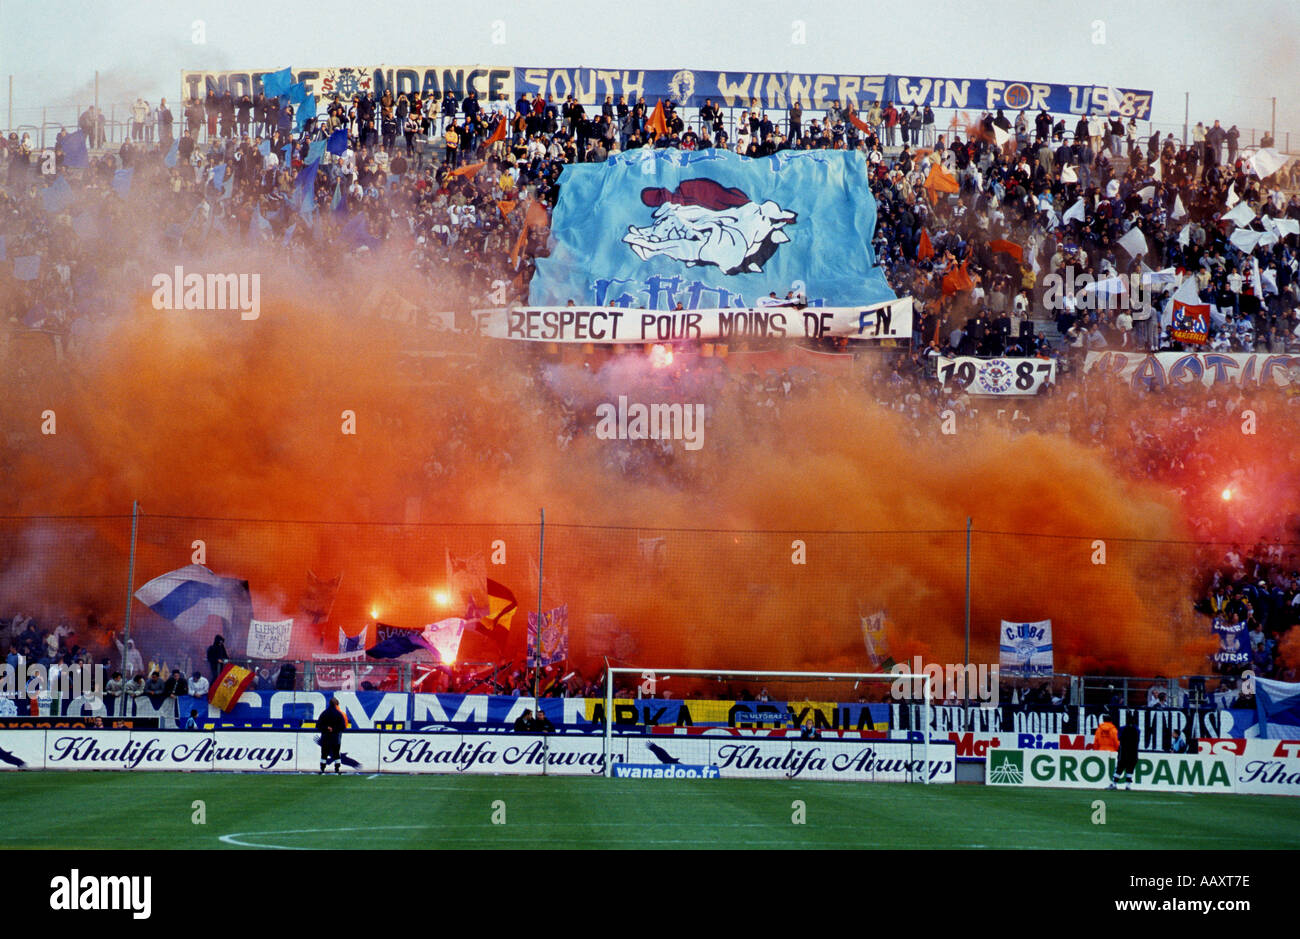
column 705, row 223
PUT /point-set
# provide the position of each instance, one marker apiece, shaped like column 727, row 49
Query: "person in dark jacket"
column 217, row 656
column 331, row 736
column 1128, row 756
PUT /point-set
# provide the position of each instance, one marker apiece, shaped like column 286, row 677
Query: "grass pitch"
column 122, row 810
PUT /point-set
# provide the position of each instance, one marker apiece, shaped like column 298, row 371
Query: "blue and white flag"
column 553, row 644
column 348, row 643
column 1025, row 648
column 1277, row 704
column 1234, row 642
column 711, row 229
column 190, row 595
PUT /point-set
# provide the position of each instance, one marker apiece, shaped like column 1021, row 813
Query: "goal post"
column 918, row 683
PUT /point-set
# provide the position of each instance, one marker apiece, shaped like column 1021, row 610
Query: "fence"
column 645, row 597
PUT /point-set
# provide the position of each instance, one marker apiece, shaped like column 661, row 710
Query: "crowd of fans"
column 453, row 186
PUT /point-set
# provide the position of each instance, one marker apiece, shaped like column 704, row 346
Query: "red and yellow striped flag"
column 232, row 681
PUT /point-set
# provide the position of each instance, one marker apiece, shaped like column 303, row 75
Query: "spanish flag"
column 231, row 682
column 501, row 610
column 658, row 121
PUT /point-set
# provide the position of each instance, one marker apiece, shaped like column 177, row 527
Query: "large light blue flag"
column 173, row 154
column 712, row 229
column 304, row 188
column 218, row 176
column 264, row 148
column 74, row 150
column 277, row 83
column 315, row 151
column 297, row 93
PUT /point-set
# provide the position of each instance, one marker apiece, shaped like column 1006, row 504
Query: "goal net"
column 718, row 723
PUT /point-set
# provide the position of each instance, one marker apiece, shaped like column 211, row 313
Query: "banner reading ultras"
column 711, row 229
column 889, row 320
column 689, row 87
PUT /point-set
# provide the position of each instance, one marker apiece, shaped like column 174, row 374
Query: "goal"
column 720, row 723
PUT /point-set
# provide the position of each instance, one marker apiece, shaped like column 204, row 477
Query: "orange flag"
column 957, row 279
column 858, row 122
column 940, row 180
column 469, row 169
column 534, row 217
column 925, row 250
column 506, row 207
column 500, row 133
column 1008, row 247
column 658, row 121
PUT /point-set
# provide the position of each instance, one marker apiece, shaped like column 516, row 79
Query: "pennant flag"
column 506, row 207
column 444, row 638
column 1001, row 136
column 469, row 169
column 553, row 644
column 318, row 599
column 1185, row 235
column 1232, row 198
column 1191, row 316
column 336, row 203
column 74, row 150
column 1008, row 247
column 957, row 280
column 189, row 596
column 231, row 682
column 501, row 610
column 28, row 268
column 1069, row 174
column 269, row 640
column 1245, row 239
column 500, row 133
column 277, row 83
column 1240, row 215
column 1180, row 210
column 57, row 196
column 351, row 643
column 940, row 180
column 1074, row 212
column 1134, row 242
column 173, row 154
column 925, row 250
column 658, row 120
column 122, row 182
column 316, row 151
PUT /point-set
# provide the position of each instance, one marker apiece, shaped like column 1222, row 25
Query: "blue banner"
column 712, row 229
column 1234, row 643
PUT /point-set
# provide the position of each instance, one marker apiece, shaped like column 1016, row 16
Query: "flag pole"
column 130, row 583
column 541, row 561
column 966, row 658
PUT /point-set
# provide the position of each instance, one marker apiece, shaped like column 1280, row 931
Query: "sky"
column 1231, row 58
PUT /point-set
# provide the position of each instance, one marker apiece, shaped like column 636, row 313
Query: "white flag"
column 1233, row 198
column 1134, row 242
column 1240, row 215
column 1254, row 278
column 1074, row 212
column 1112, row 189
column 1180, row 210
column 1245, row 240
column 1185, row 236
column 1265, row 162
column 1147, row 194
column 1068, row 174
column 1000, row 135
